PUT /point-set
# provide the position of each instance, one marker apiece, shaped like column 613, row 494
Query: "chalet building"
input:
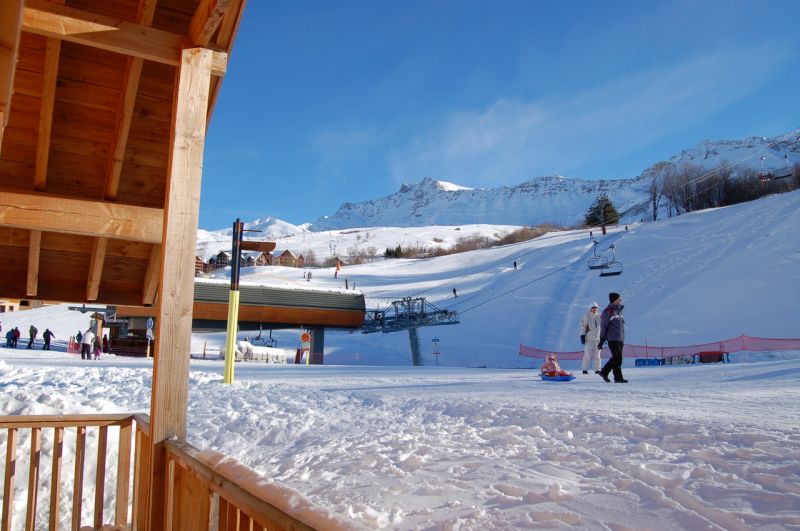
column 264, row 259
column 199, row 265
column 219, row 260
column 288, row 259
column 10, row 305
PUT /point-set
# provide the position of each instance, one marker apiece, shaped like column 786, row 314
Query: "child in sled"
column 550, row 367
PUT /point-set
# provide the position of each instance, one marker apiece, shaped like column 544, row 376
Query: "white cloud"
column 511, row 140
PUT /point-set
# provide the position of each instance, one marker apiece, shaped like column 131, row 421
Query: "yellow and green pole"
column 233, row 303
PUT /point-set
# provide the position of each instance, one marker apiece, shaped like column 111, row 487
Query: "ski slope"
column 692, row 279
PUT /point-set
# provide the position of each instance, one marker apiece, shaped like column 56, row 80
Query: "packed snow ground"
column 679, row 447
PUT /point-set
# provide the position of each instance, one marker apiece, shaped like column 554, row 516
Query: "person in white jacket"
column 590, row 337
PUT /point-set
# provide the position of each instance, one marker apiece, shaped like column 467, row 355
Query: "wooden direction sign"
column 264, row 247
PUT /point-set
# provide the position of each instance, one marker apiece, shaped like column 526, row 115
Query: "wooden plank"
column 34, row 247
column 123, row 475
column 46, row 111
column 151, row 277
column 141, row 477
column 10, row 27
column 171, row 365
column 62, row 421
column 206, row 20
column 77, row 216
column 133, row 72
column 55, row 482
column 77, row 493
column 98, row 257
column 8, row 483
column 33, row 478
column 100, row 479
column 108, row 33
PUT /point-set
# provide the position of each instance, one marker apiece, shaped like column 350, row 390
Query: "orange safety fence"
column 737, row 344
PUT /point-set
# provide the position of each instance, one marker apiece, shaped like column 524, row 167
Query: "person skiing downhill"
column 590, row 337
column 612, row 329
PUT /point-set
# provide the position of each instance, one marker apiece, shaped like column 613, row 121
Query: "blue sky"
column 331, row 102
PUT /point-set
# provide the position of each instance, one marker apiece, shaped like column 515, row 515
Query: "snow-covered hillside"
column 700, row 277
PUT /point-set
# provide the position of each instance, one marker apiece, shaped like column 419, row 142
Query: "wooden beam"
column 128, row 38
column 206, row 20
column 77, row 216
column 151, row 276
column 10, row 27
column 34, row 249
column 51, row 57
column 98, row 257
column 224, row 41
column 170, row 387
column 133, row 73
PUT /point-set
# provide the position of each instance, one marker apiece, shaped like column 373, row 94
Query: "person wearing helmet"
column 590, row 338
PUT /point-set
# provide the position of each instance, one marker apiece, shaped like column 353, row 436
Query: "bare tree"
column 660, row 175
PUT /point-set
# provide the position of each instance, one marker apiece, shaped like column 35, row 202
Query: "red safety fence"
column 737, row 344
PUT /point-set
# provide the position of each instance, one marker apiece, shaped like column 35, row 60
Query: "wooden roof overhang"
column 87, row 92
column 104, row 105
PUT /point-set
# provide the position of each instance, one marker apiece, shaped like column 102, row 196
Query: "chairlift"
column 765, row 174
column 598, row 261
column 614, row 267
column 786, row 171
column 266, row 341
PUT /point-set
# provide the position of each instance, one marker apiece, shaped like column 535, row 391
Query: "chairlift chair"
column 598, row 261
column 765, row 174
column 613, row 268
column 786, row 171
column 266, row 341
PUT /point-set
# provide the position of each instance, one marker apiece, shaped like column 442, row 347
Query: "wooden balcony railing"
column 197, row 496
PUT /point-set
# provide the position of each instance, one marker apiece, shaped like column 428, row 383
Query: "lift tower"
column 409, row 313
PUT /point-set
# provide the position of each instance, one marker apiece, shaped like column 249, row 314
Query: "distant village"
column 284, row 258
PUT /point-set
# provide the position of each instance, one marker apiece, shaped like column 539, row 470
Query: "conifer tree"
column 601, row 212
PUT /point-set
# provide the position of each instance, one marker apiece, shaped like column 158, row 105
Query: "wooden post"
column 171, row 360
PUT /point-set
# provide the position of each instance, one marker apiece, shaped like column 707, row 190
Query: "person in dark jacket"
column 9, row 337
column 32, row 331
column 48, row 335
column 105, row 343
column 612, row 329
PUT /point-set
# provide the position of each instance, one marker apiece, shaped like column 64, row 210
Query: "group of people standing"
column 596, row 330
column 13, row 335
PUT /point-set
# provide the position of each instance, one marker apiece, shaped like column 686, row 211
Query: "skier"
column 455, row 293
column 16, row 337
column 590, row 336
column 32, row 331
column 9, row 337
column 48, row 335
column 105, row 343
column 78, row 337
column 612, row 329
column 515, row 265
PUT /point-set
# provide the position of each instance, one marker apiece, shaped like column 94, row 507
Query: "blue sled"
column 567, row 378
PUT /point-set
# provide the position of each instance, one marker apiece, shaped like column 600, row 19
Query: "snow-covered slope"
column 697, row 278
